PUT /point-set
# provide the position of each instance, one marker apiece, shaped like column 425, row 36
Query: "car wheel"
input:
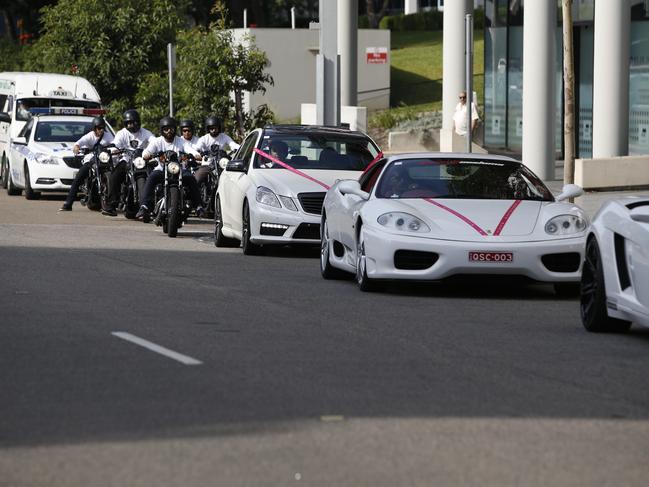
column 364, row 283
column 326, row 269
column 30, row 194
column 4, row 171
column 220, row 240
column 594, row 315
column 12, row 190
column 249, row 248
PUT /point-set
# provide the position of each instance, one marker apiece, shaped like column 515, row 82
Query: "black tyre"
column 364, row 283
column 131, row 206
column 220, row 240
column 30, row 194
column 326, row 269
column 93, row 201
column 12, row 190
column 4, row 170
column 174, row 215
column 594, row 315
column 249, row 248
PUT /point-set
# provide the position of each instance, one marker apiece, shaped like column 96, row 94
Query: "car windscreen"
column 68, row 131
column 333, row 151
column 456, row 178
column 23, row 105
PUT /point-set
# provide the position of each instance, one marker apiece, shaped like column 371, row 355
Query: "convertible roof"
column 319, row 129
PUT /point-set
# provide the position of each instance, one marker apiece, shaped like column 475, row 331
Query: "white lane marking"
column 157, row 348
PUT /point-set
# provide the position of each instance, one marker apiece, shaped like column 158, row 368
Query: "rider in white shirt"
column 98, row 135
column 214, row 135
column 168, row 141
column 132, row 131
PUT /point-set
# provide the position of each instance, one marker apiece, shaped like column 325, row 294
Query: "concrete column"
column 328, row 67
column 411, row 7
column 539, row 31
column 453, row 65
column 348, row 50
column 611, row 78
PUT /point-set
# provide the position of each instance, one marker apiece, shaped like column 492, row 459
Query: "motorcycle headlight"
column 565, row 225
column 104, row 157
column 139, row 163
column 403, row 222
column 288, row 203
column 173, row 168
column 265, row 196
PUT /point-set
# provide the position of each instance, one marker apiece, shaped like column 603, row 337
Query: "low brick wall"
column 612, row 172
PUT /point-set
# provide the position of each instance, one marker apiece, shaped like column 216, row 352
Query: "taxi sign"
column 60, row 92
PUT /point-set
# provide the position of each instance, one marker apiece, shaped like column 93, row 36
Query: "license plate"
column 492, row 257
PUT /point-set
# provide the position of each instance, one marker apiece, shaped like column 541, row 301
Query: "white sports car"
column 272, row 191
column 429, row 216
column 41, row 158
column 615, row 278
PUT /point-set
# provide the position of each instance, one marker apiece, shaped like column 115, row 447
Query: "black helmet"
column 186, row 122
column 213, row 121
column 98, row 122
column 132, row 116
column 168, row 122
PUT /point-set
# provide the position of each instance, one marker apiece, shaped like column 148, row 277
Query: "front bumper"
column 453, row 257
column 301, row 228
column 50, row 177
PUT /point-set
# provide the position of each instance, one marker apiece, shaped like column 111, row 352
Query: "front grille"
column 312, row 202
column 414, row 260
column 308, row 231
column 564, row 262
column 73, row 162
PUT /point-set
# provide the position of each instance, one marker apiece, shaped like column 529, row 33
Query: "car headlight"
column 565, row 225
column 288, row 203
column 104, row 157
column 266, row 197
column 139, row 163
column 403, row 222
column 46, row 159
column 173, row 168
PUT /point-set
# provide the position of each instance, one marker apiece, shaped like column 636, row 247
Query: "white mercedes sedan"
column 271, row 192
column 429, row 216
column 615, row 278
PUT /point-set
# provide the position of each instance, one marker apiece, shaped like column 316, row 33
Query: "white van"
column 23, row 94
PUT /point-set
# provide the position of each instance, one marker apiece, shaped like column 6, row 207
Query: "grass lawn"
column 416, row 72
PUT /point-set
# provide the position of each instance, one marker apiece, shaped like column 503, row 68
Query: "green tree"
column 113, row 43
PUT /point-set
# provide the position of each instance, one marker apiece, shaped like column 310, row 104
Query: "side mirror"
column 223, row 162
column 640, row 214
column 236, row 165
column 20, row 141
column 570, row 191
column 5, row 117
column 351, row 186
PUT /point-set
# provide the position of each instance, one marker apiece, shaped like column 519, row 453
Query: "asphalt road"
column 132, row 359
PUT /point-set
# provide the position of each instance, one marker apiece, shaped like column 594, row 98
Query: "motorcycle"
column 172, row 206
column 137, row 171
column 207, row 188
column 95, row 187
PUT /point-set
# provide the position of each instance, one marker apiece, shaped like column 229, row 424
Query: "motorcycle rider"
column 98, row 135
column 187, row 130
column 214, row 135
column 132, row 131
column 168, row 141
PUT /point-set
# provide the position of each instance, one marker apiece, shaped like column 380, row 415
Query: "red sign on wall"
column 376, row 55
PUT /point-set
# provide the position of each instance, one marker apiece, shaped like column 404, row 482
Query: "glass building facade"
column 503, row 63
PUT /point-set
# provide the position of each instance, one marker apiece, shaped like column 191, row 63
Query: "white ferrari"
column 615, row 278
column 430, row 216
column 271, row 193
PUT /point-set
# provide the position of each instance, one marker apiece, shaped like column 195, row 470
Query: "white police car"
column 41, row 158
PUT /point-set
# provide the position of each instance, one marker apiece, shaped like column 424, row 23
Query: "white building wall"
column 292, row 55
